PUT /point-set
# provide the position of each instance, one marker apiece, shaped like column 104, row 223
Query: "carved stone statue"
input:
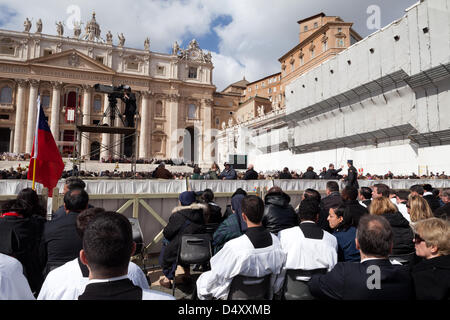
column 76, row 29
column 39, row 26
column 27, row 25
column 60, row 28
column 121, row 40
column 109, row 37
column 175, row 48
column 147, row 44
column 224, row 125
column 208, row 57
column 193, row 44
column 230, row 122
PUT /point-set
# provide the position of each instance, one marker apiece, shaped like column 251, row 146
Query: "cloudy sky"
column 245, row 37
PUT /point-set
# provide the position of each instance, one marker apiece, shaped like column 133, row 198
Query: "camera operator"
column 130, row 107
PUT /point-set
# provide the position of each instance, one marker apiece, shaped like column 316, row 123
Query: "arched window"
column 159, row 112
column 6, row 95
column 97, row 103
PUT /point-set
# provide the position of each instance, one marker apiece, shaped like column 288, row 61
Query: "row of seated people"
column 60, row 240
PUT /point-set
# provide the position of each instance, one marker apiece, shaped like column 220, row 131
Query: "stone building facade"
column 174, row 92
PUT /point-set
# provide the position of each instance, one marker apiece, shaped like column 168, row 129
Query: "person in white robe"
column 240, row 257
column 67, row 282
column 307, row 246
column 13, row 284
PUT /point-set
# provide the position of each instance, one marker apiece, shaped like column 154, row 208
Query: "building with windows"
column 174, row 93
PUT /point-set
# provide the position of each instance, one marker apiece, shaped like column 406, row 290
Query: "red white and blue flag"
column 49, row 165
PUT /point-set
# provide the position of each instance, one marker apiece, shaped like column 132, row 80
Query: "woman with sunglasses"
column 431, row 276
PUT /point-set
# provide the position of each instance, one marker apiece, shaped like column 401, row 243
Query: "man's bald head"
column 374, row 236
column 76, row 200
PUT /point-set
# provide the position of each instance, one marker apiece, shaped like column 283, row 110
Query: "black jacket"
column 431, row 278
column 333, row 174
column 61, row 242
column 251, row 175
column 432, row 201
column 349, row 281
column 214, row 213
column 278, row 213
column 184, row 220
column 20, row 238
column 352, row 177
column 443, row 212
column 332, row 200
column 285, row 175
column 356, row 211
column 310, row 175
column 403, row 234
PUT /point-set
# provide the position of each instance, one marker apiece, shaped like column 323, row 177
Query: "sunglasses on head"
column 417, row 238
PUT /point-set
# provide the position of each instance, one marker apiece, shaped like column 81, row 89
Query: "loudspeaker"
column 137, row 235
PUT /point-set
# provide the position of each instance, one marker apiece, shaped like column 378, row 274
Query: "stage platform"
column 107, row 129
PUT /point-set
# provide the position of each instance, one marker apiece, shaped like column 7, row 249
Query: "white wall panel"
column 439, row 21
column 424, row 38
column 386, row 49
column 413, row 31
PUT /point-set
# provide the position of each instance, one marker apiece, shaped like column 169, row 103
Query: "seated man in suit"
column 256, row 253
column 375, row 277
column 69, row 184
column 107, row 248
column 68, row 281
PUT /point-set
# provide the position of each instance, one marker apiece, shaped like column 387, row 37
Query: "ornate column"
column 87, row 92
column 32, row 112
column 206, row 108
column 20, row 109
column 144, row 133
column 56, row 106
column 171, row 148
column 106, row 137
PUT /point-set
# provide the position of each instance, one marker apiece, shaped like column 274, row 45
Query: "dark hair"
column 274, row 189
column 31, row 198
column 343, row 211
column 374, row 235
column 311, row 193
column 85, row 217
column 18, row 206
column 253, row 207
column 349, row 193
column 332, row 186
column 366, row 192
column 308, row 209
column 197, row 170
column 108, row 243
column 310, row 169
column 402, row 194
column 75, row 183
column 417, row 188
column 382, row 189
column 239, row 191
column 76, row 200
column 208, row 195
column 427, row 187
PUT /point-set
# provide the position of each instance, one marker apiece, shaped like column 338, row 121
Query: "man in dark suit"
column 332, row 200
column 374, row 278
column 61, row 242
column 129, row 98
column 332, row 173
column 70, row 183
column 250, row 174
column 352, row 175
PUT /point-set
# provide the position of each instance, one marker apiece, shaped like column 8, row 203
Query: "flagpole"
column 34, row 174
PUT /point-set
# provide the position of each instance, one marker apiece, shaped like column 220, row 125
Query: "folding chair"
column 193, row 249
column 250, row 288
column 297, row 289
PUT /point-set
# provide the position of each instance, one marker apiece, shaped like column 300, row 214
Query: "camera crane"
column 128, row 134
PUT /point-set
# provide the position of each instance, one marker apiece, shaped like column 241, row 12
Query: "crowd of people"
column 193, row 171
column 327, row 243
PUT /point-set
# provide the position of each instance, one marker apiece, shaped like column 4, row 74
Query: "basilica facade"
column 174, row 93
